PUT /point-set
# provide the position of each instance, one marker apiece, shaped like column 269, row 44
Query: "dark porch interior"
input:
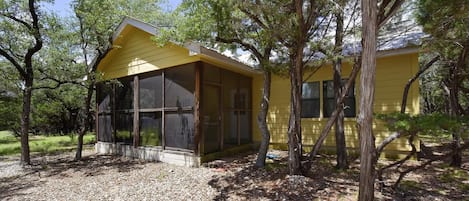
column 197, row 108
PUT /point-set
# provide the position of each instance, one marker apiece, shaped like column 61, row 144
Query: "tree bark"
column 86, row 119
column 367, row 91
column 262, row 120
column 295, row 147
column 341, row 148
column 294, row 127
column 25, row 116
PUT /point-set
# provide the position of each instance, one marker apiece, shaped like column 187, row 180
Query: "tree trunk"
column 86, row 119
column 330, row 122
column 294, row 127
column 262, row 120
column 456, row 159
column 341, row 148
column 27, row 94
column 367, row 91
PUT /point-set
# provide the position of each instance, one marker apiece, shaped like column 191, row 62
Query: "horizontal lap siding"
column 139, row 54
column 391, row 76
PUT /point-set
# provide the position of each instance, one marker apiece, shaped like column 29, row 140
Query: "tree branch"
column 24, row 23
column 240, row 42
column 332, row 119
column 412, row 80
column 383, row 15
column 37, row 36
column 14, row 62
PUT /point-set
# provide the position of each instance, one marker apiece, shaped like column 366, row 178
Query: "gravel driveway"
column 101, row 177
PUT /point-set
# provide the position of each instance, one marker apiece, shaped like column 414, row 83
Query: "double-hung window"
column 330, row 102
column 310, row 100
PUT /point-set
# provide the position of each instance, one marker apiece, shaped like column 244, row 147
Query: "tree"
column 446, row 22
column 96, row 22
column 21, row 40
column 10, row 98
column 341, row 148
column 374, row 15
column 302, row 26
column 230, row 23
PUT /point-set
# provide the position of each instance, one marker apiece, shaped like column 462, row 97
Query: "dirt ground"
column 233, row 178
column 242, row 181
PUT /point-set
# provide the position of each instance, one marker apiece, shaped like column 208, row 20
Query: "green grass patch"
column 10, row 145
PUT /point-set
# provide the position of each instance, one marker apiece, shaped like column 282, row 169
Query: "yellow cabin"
column 189, row 104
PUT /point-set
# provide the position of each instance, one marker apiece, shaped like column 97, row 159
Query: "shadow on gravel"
column 240, row 180
column 59, row 166
column 243, row 181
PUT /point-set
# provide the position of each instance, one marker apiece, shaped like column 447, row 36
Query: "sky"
column 62, row 7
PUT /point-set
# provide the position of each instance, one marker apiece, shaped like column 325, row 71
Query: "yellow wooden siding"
column 391, row 76
column 138, row 54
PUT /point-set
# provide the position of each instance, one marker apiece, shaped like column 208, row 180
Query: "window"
column 310, row 100
column 330, row 102
column 179, row 87
column 104, row 105
column 150, row 128
column 150, row 92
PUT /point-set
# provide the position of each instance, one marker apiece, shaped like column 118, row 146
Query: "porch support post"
column 163, row 116
column 136, row 130
column 197, row 109
column 113, row 113
column 96, row 125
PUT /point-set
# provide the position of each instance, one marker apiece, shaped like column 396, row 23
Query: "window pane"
column 125, row 94
column 179, row 130
column 104, row 97
column 310, row 100
column 349, row 110
column 328, row 89
column 230, row 89
column 330, row 102
column 244, row 95
column 310, row 90
column 310, row 108
column 150, row 91
column 179, row 86
column 150, row 129
column 104, row 128
column 124, row 127
column 329, row 106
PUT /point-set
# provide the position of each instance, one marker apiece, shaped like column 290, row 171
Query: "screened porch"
column 196, row 108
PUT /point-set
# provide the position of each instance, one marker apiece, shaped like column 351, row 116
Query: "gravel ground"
column 101, row 177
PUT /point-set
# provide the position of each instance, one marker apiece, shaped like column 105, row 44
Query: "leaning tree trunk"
column 85, row 121
column 262, row 120
column 25, row 116
column 367, row 91
column 341, row 148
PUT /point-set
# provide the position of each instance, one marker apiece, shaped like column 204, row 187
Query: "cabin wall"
column 391, row 76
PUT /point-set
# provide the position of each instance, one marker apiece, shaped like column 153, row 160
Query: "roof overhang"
column 195, row 49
